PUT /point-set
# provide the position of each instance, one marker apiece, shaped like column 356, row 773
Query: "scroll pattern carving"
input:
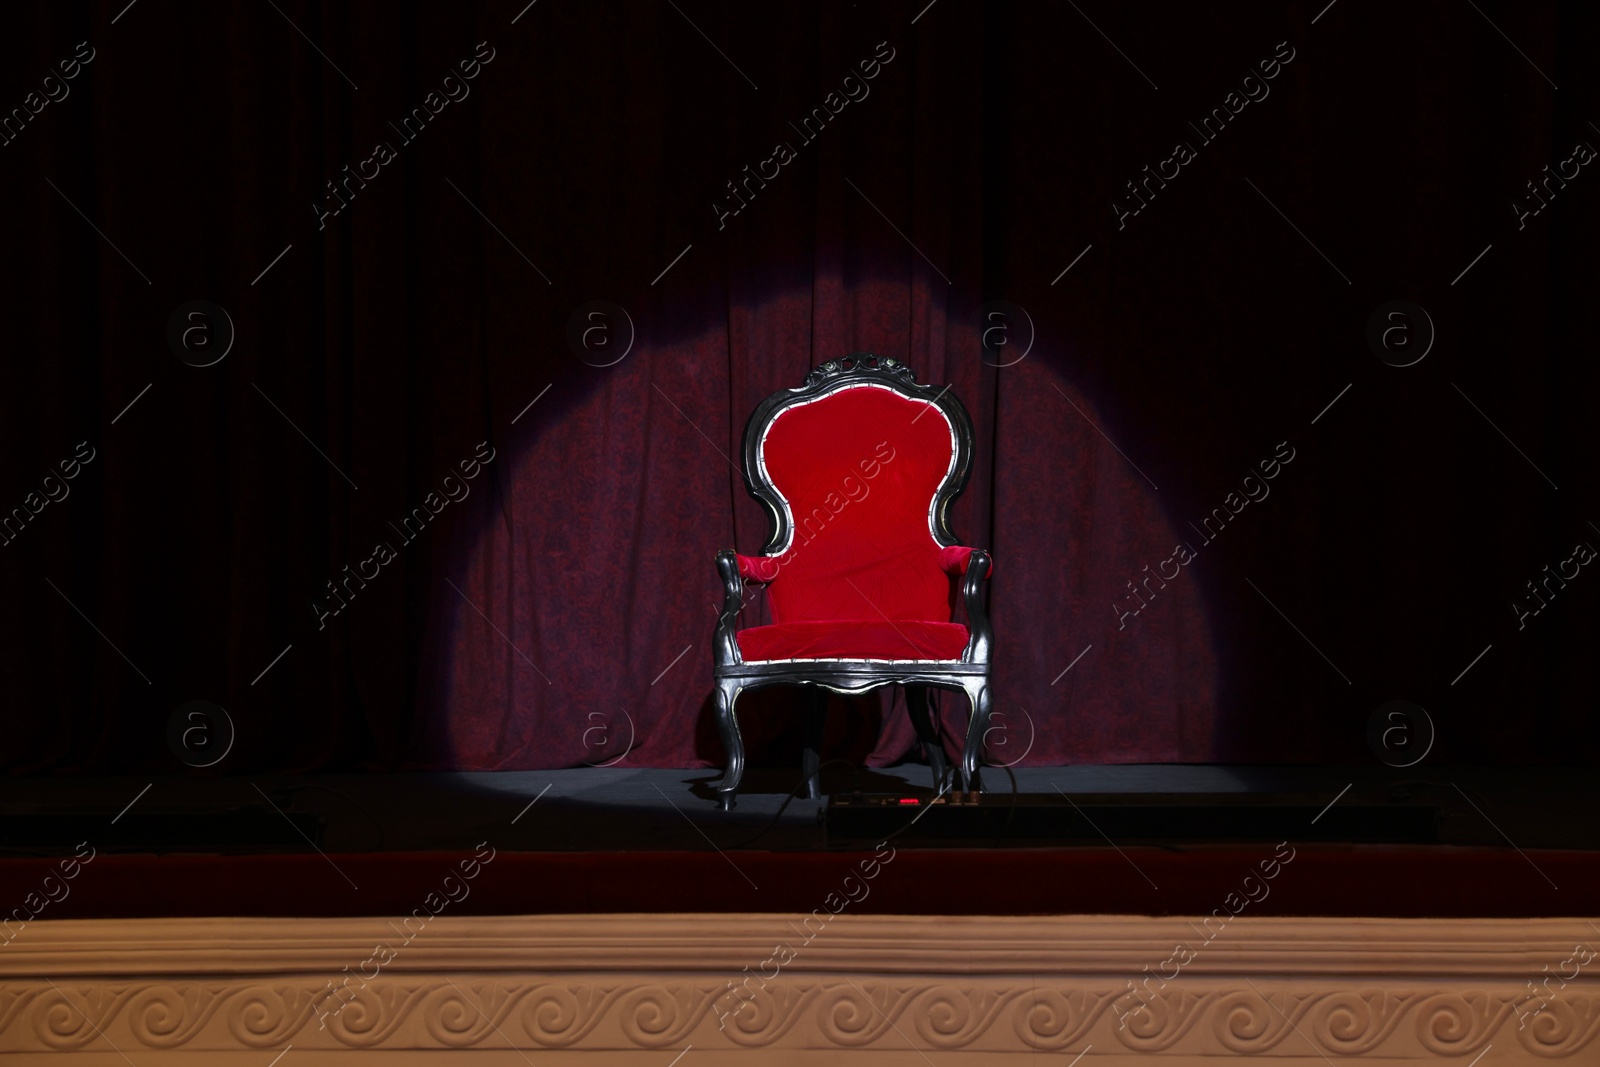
column 1218, row 1016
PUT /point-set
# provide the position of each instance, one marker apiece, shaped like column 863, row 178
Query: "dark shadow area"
column 424, row 543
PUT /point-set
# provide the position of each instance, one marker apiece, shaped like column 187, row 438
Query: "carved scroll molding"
column 1269, row 990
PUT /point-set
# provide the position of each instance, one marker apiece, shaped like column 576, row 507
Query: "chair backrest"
column 857, row 468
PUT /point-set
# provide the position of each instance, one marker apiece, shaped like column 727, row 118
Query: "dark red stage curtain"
column 410, row 521
column 591, row 586
column 598, row 566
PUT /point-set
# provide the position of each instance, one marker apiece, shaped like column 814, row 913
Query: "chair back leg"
column 816, row 713
column 917, row 706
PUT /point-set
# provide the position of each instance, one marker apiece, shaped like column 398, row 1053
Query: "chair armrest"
column 957, row 559
column 735, row 569
column 760, row 569
column 724, row 647
column 975, row 565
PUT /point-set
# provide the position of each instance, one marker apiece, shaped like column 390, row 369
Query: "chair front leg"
column 727, row 696
column 977, row 726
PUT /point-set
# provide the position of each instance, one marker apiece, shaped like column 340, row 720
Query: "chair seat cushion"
column 900, row 639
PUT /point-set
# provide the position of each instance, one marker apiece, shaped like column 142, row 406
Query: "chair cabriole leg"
column 727, row 697
column 977, row 726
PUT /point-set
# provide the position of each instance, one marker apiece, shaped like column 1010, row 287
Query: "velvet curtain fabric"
column 598, row 565
column 504, row 286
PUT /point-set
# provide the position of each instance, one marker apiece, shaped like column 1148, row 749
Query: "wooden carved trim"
column 1263, row 988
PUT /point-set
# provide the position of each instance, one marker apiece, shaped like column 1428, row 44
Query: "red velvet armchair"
column 857, row 469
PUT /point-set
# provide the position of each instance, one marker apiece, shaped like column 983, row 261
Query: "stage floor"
column 1150, row 840
column 623, row 809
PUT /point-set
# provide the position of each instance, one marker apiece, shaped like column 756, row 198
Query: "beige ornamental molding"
column 880, row 989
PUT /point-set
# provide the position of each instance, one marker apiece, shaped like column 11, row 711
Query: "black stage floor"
column 623, row 809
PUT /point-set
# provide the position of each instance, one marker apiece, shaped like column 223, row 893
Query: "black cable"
column 856, row 776
column 795, row 792
column 1011, row 810
column 941, row 789
column 923, row 810
column 940, row 732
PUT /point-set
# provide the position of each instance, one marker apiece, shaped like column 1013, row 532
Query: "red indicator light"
column 908, row 800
